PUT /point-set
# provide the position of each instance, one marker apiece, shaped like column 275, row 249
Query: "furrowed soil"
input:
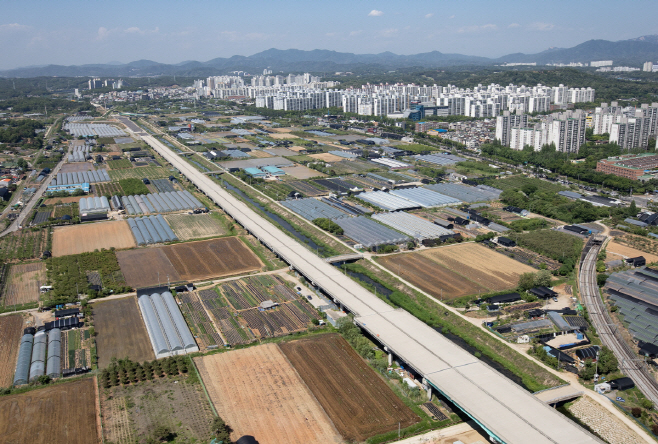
column 195, row 226
column 121, row 332
column 357, row 400
column 76, row 239
column 23, row 283
column 133, row 411
column 192, row 261
column 11, row 330
column 457, row 270
column 430, row 276
column 259, row 393
column 60, row 414
column 481, row 265
column 141, row 267
column 621, row 251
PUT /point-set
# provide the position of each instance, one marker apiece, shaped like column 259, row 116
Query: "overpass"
column 508, row 413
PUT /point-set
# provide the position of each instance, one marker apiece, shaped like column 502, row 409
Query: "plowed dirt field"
column 121, row 332
column 85, row 238
column 11, row 330
column 259, row 393
column 23, row 283
column 193, row 261
column 458, row 270
column 357, row 400
column 61, row 414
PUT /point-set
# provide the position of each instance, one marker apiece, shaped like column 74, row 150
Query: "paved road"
column 629, row 361
column 505, row 410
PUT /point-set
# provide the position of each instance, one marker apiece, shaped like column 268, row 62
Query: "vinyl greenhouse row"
column 151, row 230
column 312, row 209
column 160, row 202
column 369, row 233
column 81, row 177
column 32, row 361
column 466, row 193
column 167, row 330
column 413, row 226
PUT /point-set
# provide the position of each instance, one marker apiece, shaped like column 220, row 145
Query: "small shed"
column 504, row 298
column 506, row 242
column 333, row 316
column 542, row 292
column 648, row 349
column 622, row 383
column 639, row 261
column 268, row 305
column 67, row 312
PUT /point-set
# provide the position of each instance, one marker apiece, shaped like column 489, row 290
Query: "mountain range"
column 633, row 52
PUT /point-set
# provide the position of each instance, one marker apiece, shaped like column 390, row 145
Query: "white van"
column 45, row 288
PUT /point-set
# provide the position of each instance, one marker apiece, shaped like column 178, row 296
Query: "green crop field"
column 517, row 182
column 138, row 173
column 120, row 164
column 107, row 189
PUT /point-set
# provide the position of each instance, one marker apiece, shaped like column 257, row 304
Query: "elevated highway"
column 504, row 410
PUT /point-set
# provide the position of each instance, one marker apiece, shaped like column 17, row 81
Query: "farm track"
column 629, row 362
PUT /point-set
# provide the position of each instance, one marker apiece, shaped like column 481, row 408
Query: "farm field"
column 192, row 261
column 76, row 349
column 519, row 181
column 197, row 319
column 232, row 330
column 357, row 400
column 23, row 283
column 622, row 251
column 152, row 172
column 11, row 330
column 76, row 167
column 107, row 189
column 41, row 217
column 24, row 244
column 195, row 226
column 133, row 411
column 429, row 276
column 76, row 239
column 302, row 172
column 307, row 189
column 120, row 331
column 69, row 209
column 278, row 409
column 56, row 200
column 59, row 414
column 481, row 265
column 120, row 164
column 642, row 244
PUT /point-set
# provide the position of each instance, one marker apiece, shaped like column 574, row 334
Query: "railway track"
column 629, row 361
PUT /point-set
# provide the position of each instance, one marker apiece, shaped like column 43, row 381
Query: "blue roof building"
column 255, row 172
column 274, row 171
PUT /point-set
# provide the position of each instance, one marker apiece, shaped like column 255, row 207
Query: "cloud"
column 11, row 27
column 389, row 32
column 375, row 13
column 103, row 32
column 540, row 26
column 478, row 28
column 355, row 33
column 452, row 16
column 136, row 30
column 514, row 25
column 430, row 15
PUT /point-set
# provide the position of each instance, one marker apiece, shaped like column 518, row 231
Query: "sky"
column 67, row 32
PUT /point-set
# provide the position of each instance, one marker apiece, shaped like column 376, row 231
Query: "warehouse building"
column 165, row 325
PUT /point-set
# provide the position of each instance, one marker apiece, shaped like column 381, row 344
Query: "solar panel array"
column 160, row 202
column 413, row 226
column 311, row 209
column 425, row 198
column 165, row 325
column 440, row 159
column 93, row 129
column 95, row 176
column 151, row 230
column 464, row 193
column 369, row 233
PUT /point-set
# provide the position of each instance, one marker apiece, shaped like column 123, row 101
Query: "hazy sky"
column 79, row 32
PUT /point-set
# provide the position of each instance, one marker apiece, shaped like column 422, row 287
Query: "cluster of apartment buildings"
column 395, row 100
column 629, row 127
column 98, row 83
column 566, row 130
column 223, row 87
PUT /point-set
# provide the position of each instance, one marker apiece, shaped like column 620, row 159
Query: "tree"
column 607, row 361
column 221, row 430
column 543, row 278
column 22, row 163
column 526, row 281
column 162, row 434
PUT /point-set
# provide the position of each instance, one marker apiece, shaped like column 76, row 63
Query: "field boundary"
column 203, row 385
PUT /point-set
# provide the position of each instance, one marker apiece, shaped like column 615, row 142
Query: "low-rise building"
column 630, row 166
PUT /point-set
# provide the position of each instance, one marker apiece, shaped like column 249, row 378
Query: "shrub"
column 328, row 225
